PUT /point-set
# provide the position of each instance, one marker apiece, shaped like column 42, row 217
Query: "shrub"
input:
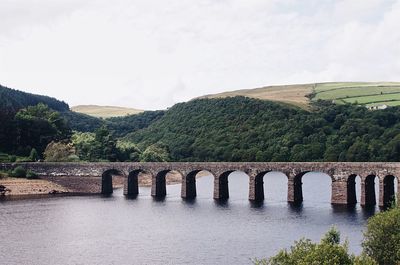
column 328, row 251
column 59, row 151
column 4, row 157
column 382, row 237
column 18, row 172
column 31, row 175
column 34, row 156
column 12, row 158
column 3, row 175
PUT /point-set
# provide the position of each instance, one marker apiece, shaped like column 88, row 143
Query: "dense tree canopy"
column 244, row 129
column 14, row 100
column 37, row 126
column 229, row 129
column 328, row 252
column 382, row 237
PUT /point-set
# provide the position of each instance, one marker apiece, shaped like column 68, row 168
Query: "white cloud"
column 152, row 54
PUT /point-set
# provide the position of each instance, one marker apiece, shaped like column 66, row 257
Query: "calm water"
column 116, row 230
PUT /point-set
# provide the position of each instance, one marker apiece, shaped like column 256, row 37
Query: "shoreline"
column 60, row 186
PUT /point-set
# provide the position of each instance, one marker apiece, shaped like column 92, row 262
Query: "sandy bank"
column 72, row 185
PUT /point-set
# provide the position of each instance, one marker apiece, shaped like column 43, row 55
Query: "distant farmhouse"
column 377, row 107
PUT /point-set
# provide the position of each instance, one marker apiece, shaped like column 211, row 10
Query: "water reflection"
column 118, row 230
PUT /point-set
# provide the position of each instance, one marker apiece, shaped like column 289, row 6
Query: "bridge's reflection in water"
column 316, row 188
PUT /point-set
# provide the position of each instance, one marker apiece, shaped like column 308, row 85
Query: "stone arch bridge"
column 342, row 176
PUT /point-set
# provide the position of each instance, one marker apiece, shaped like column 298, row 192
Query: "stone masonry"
column 341, row 174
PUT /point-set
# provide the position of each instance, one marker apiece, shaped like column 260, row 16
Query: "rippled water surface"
column 116, row 230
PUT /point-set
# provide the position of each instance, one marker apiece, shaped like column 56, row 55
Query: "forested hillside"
column 14, row 100
column 244, row 129
column 218, row 129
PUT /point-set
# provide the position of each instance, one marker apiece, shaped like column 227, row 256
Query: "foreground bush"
column 31, row 175
column 18, row 172
column 382, row 237
column 328, row 252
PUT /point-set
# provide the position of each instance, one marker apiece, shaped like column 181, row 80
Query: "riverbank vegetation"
column 381, row 246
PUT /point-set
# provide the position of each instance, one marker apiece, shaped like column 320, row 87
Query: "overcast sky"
column 150, row 54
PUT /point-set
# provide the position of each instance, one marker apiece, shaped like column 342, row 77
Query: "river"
column 116, row 230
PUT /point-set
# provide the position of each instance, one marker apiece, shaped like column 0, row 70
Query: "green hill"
column 245, row 129
column 361, row 93
column 14, row 100
column 368, row 94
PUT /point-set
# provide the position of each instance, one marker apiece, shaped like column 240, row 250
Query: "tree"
column 60, row 152
column 105, row 144
column 329, row 251
column 127, row 151
column 382, row 237
column 33, row 156
column 37, row 126
column 155, row 153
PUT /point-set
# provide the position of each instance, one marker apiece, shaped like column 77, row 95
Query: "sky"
column 151, row 54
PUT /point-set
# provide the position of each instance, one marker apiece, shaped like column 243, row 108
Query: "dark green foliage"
column 121, row 126
column 382, row 237
column 34, row 156
column 18, row 172
column 244, row 129
column 327, row 252
column 155, row 153
column 105, row 145
column 14, row 100
column 127, row 151
column 37, row 126
column 97, row 146
column 31, row 175
column 82, row 122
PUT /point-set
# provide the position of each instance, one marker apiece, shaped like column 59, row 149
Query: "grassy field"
column 369, row 94
column 362, row 93
column 291, row 94
column 105, row 111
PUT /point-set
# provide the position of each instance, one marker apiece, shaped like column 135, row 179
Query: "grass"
column 369, row 94
column 362, row 93
column 105, row 111
column 290, row 94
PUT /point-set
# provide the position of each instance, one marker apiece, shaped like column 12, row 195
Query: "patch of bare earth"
column 291, row 94
column 17, row 186
column 74, row 184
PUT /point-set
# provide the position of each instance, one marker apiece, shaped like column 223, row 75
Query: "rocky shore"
column 67, row 185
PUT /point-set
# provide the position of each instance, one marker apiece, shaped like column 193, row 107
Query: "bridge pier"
column 340, row 191
column 256, row 187
column 295, row 188
column 159, row 185
column 368, row 195
column 351, row 190
column 106, row 184
column 188, row 187
column 131, row 186
column 221, row 187
column 387, row 193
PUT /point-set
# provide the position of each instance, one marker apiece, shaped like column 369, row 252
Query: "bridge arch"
column 189, row 186
column 159, row 182
column 351, row 189
column 107, row 182
column 221, row 184
column 257, row 189
column 131, row 187
column 369, row 193
column 389, row 191
column 295, row 185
